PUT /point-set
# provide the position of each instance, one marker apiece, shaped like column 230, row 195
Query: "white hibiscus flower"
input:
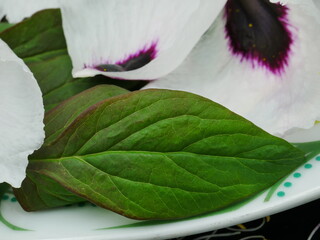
column 140, row 39
column 21, row 116
column 260, row 59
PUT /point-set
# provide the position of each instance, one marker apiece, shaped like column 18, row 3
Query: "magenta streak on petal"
column 131, row 62
column 150, row 52
column 258, row 31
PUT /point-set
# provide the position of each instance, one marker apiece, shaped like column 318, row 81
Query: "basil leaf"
column 43, row 48
column 161, row 154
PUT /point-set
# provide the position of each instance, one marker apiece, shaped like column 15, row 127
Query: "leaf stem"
column 3, row 189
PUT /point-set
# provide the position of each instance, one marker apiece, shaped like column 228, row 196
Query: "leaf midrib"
column 156, row 122
column 126, row 152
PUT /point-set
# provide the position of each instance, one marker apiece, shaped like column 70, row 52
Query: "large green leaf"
column 158, row 154
column 59, row 118
column 40, row 42
column 40, row 190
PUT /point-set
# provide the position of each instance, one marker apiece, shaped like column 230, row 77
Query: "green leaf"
column 44, row 192
column 311, row 149
column 161, row 154
column 3, row 188
column 40, row 42
column 59, row 118
column 4, row 26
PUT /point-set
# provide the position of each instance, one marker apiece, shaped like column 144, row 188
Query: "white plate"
column 86, row 221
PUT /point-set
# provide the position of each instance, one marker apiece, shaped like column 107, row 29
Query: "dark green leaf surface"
column 160, row 154
column 4, row 26
column 40, row 42
column 44, row 192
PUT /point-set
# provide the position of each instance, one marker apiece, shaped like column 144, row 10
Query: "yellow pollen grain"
column 264, row 59
column 241, row 226
column 250, row 25
column 105, row 69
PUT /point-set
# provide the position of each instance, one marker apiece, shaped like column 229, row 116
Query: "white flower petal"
column 113, row 31
column 16, row 10
column 298, row 135
column 272, row 101
column 317, row 3
column 309, row 7
column 282, row 2
column 2, row 14
column 21, row 116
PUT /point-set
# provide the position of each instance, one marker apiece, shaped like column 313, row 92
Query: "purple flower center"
column 132, row 62
column 257, row 31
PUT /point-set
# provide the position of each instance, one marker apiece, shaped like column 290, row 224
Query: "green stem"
column 3, row 189
column 273, row 189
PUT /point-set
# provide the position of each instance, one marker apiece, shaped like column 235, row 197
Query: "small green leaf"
column 161, row 154
column 40, row 42
column 4, row 26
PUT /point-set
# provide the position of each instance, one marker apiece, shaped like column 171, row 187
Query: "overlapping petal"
column 21, row 116
column 141, row 39
column 308, row 6
column 274, row 101
column 16, row 10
